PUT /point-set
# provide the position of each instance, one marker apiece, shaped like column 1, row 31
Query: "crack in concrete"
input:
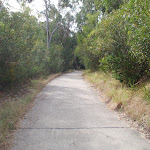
column 73, row 128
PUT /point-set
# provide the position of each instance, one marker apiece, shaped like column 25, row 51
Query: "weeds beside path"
column 133, row 102
column 13, row 106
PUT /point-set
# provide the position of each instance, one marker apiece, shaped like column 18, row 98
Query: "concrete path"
column 68, row 115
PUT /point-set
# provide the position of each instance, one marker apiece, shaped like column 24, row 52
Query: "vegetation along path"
column 68, row 115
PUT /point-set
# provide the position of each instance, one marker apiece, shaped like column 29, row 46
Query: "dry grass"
column 134, row 102
column 11, row 110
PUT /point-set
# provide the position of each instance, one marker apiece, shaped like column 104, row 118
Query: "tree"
column 23, row 50
column 1, row 5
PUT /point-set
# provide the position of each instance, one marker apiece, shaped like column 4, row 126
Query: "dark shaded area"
column 77, row 64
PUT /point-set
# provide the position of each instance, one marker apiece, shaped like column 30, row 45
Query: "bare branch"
column 47, row 22
column 40, row 12
column 53, row 32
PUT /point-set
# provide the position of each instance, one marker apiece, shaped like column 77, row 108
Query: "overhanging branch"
column 53, row 33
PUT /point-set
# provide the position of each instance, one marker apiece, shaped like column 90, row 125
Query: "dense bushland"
column 23, row 48
column 117, row 40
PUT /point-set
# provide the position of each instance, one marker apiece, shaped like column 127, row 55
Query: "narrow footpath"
column 69, row 115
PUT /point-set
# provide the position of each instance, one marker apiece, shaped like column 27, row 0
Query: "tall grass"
column 135, row 101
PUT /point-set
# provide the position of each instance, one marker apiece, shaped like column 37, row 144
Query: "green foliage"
column 18, row 36
column 68, row 52
column 119, row 43
column 55, row 63
column 107, row 6
column 23, row 50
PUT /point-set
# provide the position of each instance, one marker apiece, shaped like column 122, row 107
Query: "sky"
column 35, row 5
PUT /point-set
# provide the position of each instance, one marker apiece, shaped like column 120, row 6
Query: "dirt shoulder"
column 15, row 102
column 132, row 104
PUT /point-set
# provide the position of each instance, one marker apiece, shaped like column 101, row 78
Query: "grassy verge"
column 134, row 102
column 14, row 107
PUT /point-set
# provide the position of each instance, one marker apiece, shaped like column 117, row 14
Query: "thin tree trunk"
column 53, row 33
column 49, row 38
column 47, row 22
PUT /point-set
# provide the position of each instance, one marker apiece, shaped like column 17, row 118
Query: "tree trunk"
column 47, row 23
column 53, row 33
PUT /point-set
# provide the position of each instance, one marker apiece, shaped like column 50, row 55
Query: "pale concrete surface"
column 68, row 115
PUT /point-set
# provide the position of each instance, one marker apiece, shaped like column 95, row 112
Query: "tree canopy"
column 111, row 35
column 23, row 49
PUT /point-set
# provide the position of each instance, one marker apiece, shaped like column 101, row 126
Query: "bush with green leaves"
column 23, row 48
column 120, row 42
column 18, row 37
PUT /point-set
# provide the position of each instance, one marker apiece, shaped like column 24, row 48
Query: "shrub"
column 121, row 42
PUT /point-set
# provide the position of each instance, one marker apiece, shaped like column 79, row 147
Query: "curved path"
column 68, row 115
